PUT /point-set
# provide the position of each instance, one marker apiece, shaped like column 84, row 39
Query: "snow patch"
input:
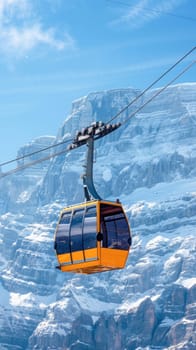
column 24, row 196
column 107, row 175
column 128, row 306
column 92, row 304
column 189, row 282
column 161, row 192
column 29, row 300
column 17, row 299
column 156, row 242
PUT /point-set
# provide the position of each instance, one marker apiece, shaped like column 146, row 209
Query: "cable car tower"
column 93, row 236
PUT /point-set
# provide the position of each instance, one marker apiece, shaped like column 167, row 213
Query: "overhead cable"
column 151, row 85
column 33, row 153
column 25, row 166
column 158, row 92
column 154, row 10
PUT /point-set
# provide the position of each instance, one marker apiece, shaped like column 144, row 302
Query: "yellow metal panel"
column 99, row 250
column 98, row 217
column 110, row 259
column 115, row 258
column 64, row 258
column 117, row 204
column 90, row 253
column 80, row 266
column 77, row 256
column 80, row 205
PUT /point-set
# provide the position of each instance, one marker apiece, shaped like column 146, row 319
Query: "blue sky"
column 55, row 51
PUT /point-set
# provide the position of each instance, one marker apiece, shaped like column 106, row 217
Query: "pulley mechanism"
column 87, row 136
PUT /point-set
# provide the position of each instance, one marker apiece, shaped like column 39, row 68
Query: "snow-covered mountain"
column 150, row 164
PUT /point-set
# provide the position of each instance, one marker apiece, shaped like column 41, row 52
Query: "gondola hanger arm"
column 87, row 136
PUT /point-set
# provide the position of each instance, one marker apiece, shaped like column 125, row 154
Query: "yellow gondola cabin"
column 92, row 237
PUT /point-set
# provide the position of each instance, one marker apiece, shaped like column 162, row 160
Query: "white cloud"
column 144, row 11
column 21, row 32
column 22, row 40
column 13, row 8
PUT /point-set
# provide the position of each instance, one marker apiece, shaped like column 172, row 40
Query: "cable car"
column 93, row 236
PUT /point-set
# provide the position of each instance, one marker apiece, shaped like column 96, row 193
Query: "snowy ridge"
column 150, row 164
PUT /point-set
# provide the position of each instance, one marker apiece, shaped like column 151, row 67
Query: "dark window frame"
column 111, row 215
column 70, row 235
column 58, row 241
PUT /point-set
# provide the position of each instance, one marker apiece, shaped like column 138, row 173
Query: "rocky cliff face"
column 149, row 163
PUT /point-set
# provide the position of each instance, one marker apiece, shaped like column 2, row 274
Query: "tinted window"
column 115, row 228
column 90, row 228
column 76, row 230
column 62, row 234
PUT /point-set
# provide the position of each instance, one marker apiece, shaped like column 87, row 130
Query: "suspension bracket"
column 87, row 136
